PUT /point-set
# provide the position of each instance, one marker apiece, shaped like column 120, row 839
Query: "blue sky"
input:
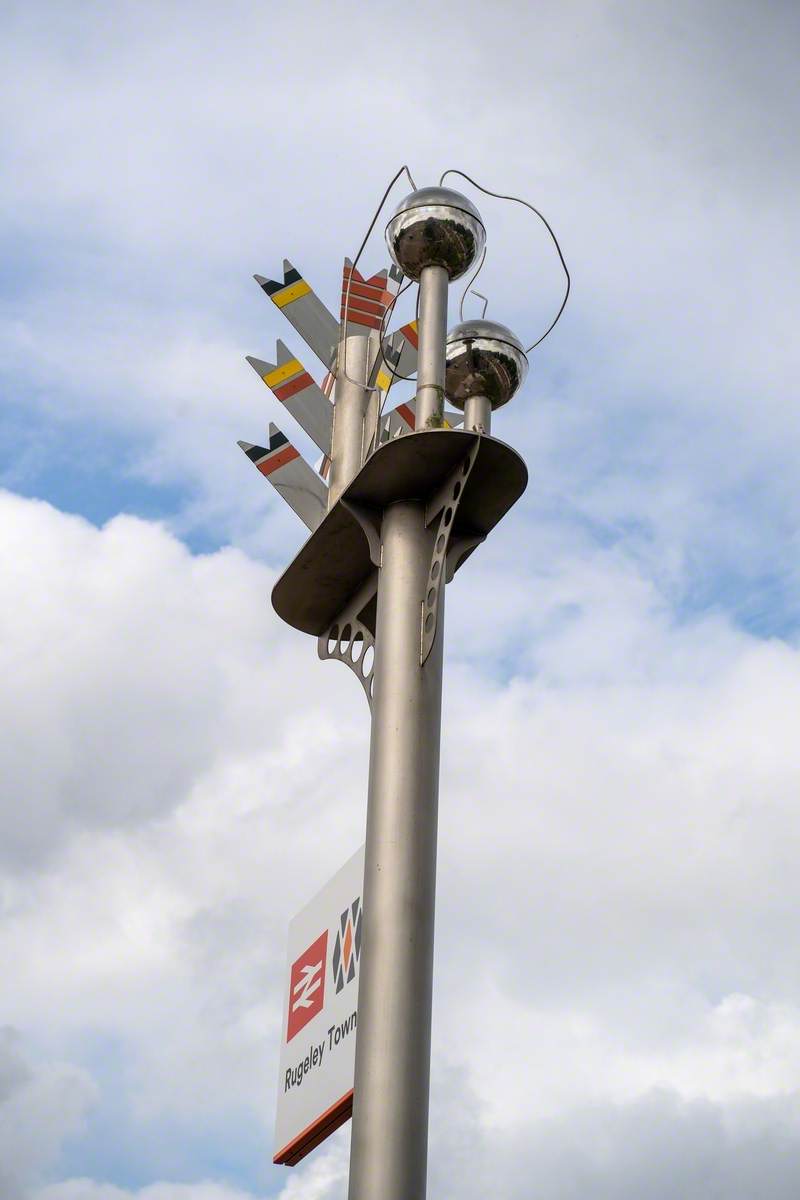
column 623, row 672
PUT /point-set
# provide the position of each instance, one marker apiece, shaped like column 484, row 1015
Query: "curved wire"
column 485, row 300
column 395, row 374
column 469, row 285
column 546, row 223
column 381, row 335
column 394, row 180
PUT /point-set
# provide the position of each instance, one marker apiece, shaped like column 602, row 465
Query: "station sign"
column 320, row 1011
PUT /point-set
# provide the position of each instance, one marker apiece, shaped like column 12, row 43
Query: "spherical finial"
column 483, row 358
column 435, row 227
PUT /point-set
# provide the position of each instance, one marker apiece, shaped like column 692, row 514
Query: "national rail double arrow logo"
column 307, row 986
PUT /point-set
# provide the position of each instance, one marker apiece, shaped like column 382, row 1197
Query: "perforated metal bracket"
column 443, row 504
column 351, row 637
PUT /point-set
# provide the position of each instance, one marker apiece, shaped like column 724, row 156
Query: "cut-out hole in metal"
column 436, row 567
column 349, row 638
column 448, row 516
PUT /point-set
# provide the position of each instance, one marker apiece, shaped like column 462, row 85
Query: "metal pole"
column 389, row 1148
column 431, row 332
column 351, row 402
column 388, row 1157
column 478, row 414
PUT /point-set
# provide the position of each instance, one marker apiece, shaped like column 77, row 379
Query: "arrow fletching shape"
column 318, row 327
column 291, row 476
column 290, row 383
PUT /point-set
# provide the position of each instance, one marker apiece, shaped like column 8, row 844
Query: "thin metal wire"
column 382, row 332
column 393, row 372
column 546, row 223
column 358, row 382
column 485, row 300
column 387, row 312
column 469, row 285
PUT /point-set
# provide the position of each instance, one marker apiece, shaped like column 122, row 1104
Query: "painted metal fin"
column 399, row 358
column 368, row 298
column 291, row 476
column 318, row 327
column 290, row 382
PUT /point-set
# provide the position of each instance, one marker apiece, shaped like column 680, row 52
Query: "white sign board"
column 318, row 1038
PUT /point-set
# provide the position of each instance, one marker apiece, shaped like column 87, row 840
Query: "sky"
column 617, row 984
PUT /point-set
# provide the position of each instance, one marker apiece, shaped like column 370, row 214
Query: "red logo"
column 307, row 986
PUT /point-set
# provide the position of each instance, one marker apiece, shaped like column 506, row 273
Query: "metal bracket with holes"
column 444, row 502
column 351, row 637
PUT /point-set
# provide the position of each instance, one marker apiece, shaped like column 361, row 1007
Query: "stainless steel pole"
column 351, row 402
column 432, row 332
column 389, row 1148
column 478, row 414
column 388, row 1157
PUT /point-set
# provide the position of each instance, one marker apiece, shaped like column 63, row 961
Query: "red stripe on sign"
column 359, row 305
column 297, row 384
column 316, row 1132
column 378, row 280
column 287, row 455
column 407, row 415
column 410, row 334
column 357, row 318
column 369, row 293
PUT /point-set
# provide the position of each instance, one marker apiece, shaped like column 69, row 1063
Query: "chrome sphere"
column 483, row 358
column 435, row 227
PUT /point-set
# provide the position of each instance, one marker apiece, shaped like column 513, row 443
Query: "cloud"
column 630, row 778
column 40, row 1106
column 617, row 1006
column 87, row 1189
column 667, row 179
column 121, row 703
column 658, row 1146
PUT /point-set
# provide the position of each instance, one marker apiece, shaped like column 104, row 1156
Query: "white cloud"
column 633, row 785
column 622, row 1016
column 40, row 1105
column 669, row 183
column 87, row 1189
column 113, row 661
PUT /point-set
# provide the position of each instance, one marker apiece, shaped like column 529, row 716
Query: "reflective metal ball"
column 483, row 358
column 435, row 227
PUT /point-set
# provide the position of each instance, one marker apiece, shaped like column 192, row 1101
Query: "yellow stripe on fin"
column 293, row 292
column 293, row 367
